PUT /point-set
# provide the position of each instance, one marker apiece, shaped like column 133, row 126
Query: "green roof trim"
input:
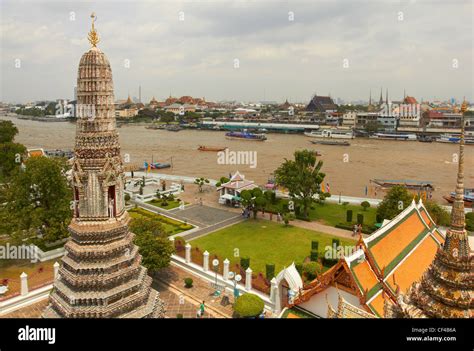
column 405, row 251
column 374, row 310
column 375, row 241
column 372, row 290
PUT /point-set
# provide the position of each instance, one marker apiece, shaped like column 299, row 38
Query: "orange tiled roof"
column 437, row 235
column 292, row 316
column 365, row 276
column 426, row 218
column 35, row 153
column 414, row 265
column 404, row 247
column 387, row 249
column 377, row 304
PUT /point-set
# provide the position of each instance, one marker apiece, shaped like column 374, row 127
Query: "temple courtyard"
column 265, row 242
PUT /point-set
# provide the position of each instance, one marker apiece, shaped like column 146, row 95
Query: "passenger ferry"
column 246, row 136
column 331, row 134
column 455, row 138
column 394, row 136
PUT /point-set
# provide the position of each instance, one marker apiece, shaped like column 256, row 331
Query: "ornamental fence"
column 197, row 256
column 37, row 277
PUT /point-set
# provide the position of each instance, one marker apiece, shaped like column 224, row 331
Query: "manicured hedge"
column 270, row 271
column 349, row 216
column 248, row 306
column 245, row 262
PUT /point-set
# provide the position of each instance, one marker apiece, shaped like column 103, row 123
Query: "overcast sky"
column 390, row 44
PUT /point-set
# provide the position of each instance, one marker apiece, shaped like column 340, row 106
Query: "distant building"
column 180, row 108
column 437, row 119
column 230, row 191
column 127, row 109
column 154, row 103
column 349, row 119
column 364, row 118
column 321, row 104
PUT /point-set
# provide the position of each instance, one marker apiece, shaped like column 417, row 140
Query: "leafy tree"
column 260, row 202
column 156, row 251
column 440, row 215
column 8, row 131
column 253, row 198
column 311, row 270
column 365, row 205
column 302, row 177
column 142, row 225
column 11, row 153
column 246, row 197
column 270, row 196
column 37, row 201
column 200, row 182
column 470, row 221
column 394, row 202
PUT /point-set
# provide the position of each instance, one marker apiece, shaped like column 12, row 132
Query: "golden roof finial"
column 93, row 36
column 464, row 106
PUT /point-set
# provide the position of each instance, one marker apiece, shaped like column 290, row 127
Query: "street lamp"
column 215, row 264
column 236, row 278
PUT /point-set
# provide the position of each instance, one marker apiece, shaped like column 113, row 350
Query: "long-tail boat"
column 468, row 197
column 211, row 148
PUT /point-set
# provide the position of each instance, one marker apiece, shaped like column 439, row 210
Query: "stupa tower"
column 101, row 273
column 446, row 289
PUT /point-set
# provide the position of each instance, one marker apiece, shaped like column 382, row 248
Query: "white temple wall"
column 318, row 304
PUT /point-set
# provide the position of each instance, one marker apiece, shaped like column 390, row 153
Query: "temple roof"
column 446, row 288
column 238, row 182
column 389, row 260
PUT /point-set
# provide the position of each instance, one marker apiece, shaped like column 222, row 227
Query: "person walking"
column 202, row 309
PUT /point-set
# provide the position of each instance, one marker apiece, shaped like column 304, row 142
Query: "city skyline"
column 284, row 51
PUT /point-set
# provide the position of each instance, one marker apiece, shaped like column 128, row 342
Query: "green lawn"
column 264, row 242
column 332, row 214
column 170, row 226
column 170, row 206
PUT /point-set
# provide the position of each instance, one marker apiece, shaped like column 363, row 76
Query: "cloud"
column 283, row 57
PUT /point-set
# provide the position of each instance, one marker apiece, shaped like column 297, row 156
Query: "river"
column 348, row 169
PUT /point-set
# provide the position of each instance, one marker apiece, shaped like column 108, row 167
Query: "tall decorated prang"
column 101, row 274
column 446, row 289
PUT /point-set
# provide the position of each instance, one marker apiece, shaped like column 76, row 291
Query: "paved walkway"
column 173, row 278
column 316, row 226
column 208, row 219
column 31, row 311
column 177, row 303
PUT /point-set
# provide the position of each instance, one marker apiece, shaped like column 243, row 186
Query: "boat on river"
column 211, row 148
column 330, row 134
column 331, row 142
column 394, row 136
column 246, row 136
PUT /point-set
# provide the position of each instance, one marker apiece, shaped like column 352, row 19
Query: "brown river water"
column 348, row 169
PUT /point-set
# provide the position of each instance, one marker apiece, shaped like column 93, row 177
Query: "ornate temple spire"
column 101, row 275
column 93, row 36
column 446, row 289
column 457, row 242
column 381, row 97
column 386, row 96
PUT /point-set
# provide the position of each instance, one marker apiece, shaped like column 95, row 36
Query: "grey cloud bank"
column 279, row 58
